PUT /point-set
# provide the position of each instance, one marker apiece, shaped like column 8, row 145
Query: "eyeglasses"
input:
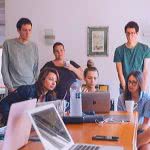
column 134, row 83
column 130, row 33
column 109, row 120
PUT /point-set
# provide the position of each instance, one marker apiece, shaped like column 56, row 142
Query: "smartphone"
column 106, row 138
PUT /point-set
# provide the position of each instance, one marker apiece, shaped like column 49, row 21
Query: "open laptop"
column 18, row 126
column 61, row 105
column 99, row 102
column 57, row 103
column 53, row 132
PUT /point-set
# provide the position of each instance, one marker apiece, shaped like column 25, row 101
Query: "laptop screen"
column 51, row 127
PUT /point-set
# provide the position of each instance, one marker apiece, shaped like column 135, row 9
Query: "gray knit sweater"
column 19, row 63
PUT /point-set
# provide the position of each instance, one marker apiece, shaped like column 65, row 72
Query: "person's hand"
column 11, row 90
column 123, row 87
column 143, row 127
column 70, row 67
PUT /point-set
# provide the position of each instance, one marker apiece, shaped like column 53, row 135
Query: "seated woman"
column 42, row 90
column 68, row 71
column 134, row 92
column 91, row 75
column 143, row 141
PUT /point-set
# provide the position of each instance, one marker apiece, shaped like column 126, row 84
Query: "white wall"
column 69, row 20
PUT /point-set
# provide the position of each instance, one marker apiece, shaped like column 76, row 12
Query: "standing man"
column 20, row 58
column 131, row 56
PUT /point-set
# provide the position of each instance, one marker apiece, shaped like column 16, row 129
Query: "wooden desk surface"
column 82, row 133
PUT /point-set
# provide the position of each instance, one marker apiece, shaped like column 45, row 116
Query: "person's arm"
column 145, row 112
column 76, row 69
column 120, row 74
column 120, row 104
column 146, row 123
column 36, row 65
column 5, row 68
column 146, row 73
column 143, row 138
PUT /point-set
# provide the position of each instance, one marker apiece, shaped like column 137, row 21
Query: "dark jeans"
column 120, row 89
column 5, row 105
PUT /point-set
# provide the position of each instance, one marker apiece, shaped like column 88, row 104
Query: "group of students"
column 45, row 88
column 56, row 77
column 53, row 82
column 133, row 91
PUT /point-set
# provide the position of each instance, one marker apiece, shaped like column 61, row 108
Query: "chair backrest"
column 100, row 87
column 103, row 87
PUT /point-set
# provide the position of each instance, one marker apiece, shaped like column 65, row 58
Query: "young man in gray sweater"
column 20, row 58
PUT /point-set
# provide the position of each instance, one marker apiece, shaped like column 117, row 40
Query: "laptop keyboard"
column 84, row 147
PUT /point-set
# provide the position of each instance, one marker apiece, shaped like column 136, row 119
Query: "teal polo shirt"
column 131, row 58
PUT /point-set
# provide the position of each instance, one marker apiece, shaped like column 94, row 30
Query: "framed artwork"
column 97, row 41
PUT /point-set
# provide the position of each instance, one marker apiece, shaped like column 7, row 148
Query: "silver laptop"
column 53, row 132
column 18, row 126
column 96, row 101
column 61, row 105
column 57, row 103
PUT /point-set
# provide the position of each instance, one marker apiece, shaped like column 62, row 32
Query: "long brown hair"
column 139, row 77
column 41, row 78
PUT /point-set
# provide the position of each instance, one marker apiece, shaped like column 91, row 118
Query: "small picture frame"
column 97, row 41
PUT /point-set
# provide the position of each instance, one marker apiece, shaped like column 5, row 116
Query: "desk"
column 82, row 133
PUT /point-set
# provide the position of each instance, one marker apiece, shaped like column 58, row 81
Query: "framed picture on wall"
column 97, row 41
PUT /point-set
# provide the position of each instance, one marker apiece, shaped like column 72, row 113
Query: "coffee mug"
column 129, row 105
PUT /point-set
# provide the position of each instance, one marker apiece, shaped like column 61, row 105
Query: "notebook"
column 96, row 101
column 53, row 132
column 18, row 126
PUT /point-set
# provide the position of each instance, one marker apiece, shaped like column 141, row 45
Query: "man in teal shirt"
column 131, row 56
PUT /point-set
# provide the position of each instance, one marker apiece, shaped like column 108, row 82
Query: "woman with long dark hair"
column 42, row 90
column 141, row 99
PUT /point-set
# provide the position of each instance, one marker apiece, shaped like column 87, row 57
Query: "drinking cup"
column 129, row 105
